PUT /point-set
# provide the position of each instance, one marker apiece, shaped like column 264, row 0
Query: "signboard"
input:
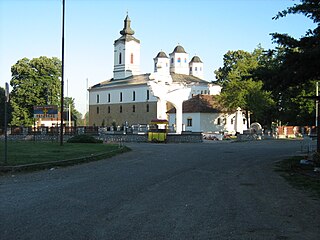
column 45, row 111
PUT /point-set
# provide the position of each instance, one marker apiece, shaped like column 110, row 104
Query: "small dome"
column 161, row 55
column 179, row 49
column 196, row 59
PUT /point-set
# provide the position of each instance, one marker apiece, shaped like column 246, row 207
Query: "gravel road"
column 217, row 190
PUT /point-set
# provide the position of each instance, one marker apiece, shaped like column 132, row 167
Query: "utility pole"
column 62, row 76
column 317, row 103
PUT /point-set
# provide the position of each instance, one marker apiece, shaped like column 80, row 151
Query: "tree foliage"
column 76, row 115
column 34, row 82
column 241, row 86
column 279, row 78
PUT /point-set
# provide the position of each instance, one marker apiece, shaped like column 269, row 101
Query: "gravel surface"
column 216, row 190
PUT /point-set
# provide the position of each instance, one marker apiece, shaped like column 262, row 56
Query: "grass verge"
column 35, row 155
column 300, row 176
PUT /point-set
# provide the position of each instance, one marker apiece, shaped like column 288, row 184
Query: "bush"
column 83, row 138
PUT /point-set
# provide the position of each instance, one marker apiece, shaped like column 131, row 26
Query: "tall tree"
column 34, row 82
column 242, row 87
column 301, row 61
column 298, row 67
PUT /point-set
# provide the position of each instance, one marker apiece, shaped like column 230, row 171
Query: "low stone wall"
column 115, row 137
column 123, row 137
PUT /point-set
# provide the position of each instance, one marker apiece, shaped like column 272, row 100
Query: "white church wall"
column 134, row 65
column 101, row 96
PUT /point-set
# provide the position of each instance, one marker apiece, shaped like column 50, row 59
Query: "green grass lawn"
column 25, row 152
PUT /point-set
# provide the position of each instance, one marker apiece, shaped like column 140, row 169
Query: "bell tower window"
column 120, row 58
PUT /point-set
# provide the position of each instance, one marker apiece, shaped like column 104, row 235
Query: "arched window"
column 131, row 58
column 148, row 94
column 120, row 58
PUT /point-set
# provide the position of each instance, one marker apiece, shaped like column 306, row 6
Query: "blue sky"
column 208, row 28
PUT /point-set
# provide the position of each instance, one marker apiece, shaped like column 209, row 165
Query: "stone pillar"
column 179, row 119
column 239, row 121
column 161, row 109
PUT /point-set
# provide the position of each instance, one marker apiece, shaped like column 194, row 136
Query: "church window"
column 189, row 122
column 190, row 69
column 244, row 121
column 147, row 107
column 109, row 97
column 109, row 110
column 98, row 98
column 179, row 60
column 148, row 94
column 171, row 60
column 224, row 121
column 133, row 96
column 166, row 64
column 232, row 121
column 196, row 69
column 98, row 110
column 131, row 58
column 120, row 58
column 200, row 68
column 120, row 108
column 120, row 96
column 133, row 108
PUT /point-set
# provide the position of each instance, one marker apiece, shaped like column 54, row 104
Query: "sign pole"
column 6, row 123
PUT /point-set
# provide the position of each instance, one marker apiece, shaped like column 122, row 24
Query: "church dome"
column 161, row 55
column 179, row 49
column 196, row 59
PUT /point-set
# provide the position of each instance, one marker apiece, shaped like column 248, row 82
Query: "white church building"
column 132, row 97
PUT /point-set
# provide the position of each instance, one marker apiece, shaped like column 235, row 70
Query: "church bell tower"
column 126, row 53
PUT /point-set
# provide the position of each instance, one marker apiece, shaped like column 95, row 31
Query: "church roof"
column 144, row 78
column 196, row 59
column 179, row 49
column 162, row 55
column 188, row 79
column 132, row 80
column 201, row 104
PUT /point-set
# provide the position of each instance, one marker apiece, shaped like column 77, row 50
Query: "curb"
column 60, row 163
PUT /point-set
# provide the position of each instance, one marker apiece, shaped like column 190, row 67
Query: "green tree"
column 242, row 86
column 70, row 102
column 250, row 96
column 34, row 82
column 238, row 65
